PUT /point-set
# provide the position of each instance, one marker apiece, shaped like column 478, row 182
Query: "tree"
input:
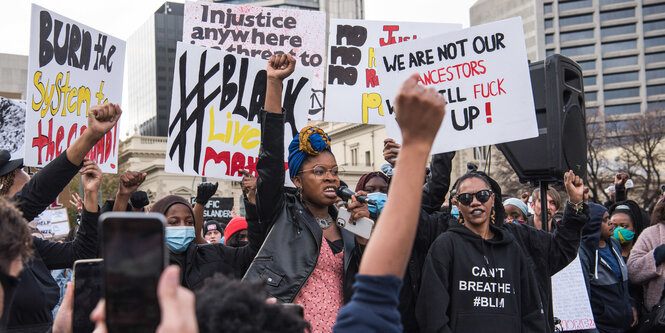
column 598, row 172
column 641, row 153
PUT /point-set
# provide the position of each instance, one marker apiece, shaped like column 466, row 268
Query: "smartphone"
column 88, row 289
column 361, row 227
column 135, row 255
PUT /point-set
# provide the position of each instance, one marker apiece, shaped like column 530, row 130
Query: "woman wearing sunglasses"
column 306, row 258
column 476, row 276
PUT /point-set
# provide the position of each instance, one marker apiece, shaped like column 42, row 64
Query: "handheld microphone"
column 345, row 193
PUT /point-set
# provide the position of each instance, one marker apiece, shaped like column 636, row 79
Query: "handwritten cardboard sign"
column 352, row 91
column 71, row 67
column 214, row 125
column 260, row 32
column 570, row 301
column 483, row 74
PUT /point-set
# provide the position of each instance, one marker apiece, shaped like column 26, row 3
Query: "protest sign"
column 570, row 301
column 71, row 67
column 483, row 74
column 12, row 127
column 260, row 32
column 352, row 90
column 53, row 223
column 220, row 209
column 214, row 128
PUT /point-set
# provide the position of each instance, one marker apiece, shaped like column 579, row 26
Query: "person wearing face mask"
column 628, row 221
column 376, row 185
column 199, row 261
column 235, row 234
column 606, row 274
column 306, row 258
column 16, row 245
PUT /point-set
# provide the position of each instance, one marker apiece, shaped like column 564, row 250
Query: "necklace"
column 324, row 223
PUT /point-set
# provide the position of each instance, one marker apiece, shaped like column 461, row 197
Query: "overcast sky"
column 121, row 18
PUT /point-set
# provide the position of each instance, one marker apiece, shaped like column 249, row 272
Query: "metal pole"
column 543, row 205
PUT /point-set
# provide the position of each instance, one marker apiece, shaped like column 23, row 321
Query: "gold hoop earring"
column 460, row 219
column 493, row 217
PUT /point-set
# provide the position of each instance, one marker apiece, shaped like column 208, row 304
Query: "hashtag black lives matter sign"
column 260, row 32
column 488, row 287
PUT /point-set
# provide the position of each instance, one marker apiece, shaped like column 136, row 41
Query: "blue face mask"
column 454, row 212
column 178, row 238
column 380, row 199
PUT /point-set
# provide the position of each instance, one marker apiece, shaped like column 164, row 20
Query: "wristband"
column 577, row 207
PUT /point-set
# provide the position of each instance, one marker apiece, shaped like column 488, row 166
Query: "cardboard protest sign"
column 220, row 209
column 570, row 301
column 260, row 32
column 12, row 127
column 352, row 90
column 483, row 74
column 53, row 223
column 71, row 67
column 214, row 128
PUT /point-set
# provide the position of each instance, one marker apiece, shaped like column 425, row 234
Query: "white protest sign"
column 570, row 300
column 71, row 68
column 53, row 222
column 12, row 127
column 483, row 74
column 214, row 128
column 352, row 90
column 260, row 32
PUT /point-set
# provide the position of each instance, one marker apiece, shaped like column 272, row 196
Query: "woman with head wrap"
column 376, row 185
column 306, row 259
column 516, row 210
column 200, row 261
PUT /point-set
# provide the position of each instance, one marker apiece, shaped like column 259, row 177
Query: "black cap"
column 7, row 165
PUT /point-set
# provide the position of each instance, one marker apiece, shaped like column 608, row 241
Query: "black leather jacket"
column 291, row 249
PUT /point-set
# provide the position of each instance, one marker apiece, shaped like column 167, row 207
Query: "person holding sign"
column 306, row 259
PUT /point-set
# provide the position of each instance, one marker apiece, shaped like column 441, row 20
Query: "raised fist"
column 419, row 112
column 102, row 118
column 280, row 66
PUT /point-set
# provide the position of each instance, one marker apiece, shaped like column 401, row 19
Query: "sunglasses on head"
column 467, row 198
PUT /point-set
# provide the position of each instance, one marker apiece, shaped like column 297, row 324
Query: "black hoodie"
column 474, row 285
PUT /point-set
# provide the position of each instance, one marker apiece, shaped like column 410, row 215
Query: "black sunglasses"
column 467, row 198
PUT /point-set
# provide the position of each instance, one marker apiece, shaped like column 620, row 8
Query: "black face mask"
column 9, row 284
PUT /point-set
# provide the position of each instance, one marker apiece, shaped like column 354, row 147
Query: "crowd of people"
column 441, row 258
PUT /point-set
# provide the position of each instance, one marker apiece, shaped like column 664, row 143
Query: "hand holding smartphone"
column 88, row 290
column 134, row 252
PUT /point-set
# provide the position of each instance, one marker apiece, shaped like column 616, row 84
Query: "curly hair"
column 6, row 182
column 226, row 305
column 15, row 239
column 658, row 213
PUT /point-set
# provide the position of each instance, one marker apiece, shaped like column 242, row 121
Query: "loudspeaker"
column 558, row 95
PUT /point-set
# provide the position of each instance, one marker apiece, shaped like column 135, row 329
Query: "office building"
column 14, row 73
column 150, row 59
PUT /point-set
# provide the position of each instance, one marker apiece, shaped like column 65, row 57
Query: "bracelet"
column 577, row 206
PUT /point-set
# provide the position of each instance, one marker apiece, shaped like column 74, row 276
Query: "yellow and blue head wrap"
column 311, row 141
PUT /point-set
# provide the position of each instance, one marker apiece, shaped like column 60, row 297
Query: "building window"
column 653, row 106
column 589, row 81
column 619, row 46
column 620, row 77
column 654, row 9
column 368, row 158
column 575, row 35
column 654, row 41
column 576, row 4
column 578, row 50
column 617, row 14
column 547, row 8
column 616, row 125
column 587, row 65
column 658, row 73
column 549, row 39
column 654, row 25
column 591, row 96
column 654, row 57
column 354, row 156
column 549, row 52
column 656, row 90
column 573, row 20
column 549, row 24
column 622, row 109
column 617, row 30
column 609, row 2
column 591, row 112
column 618, row 62
column 622, row 93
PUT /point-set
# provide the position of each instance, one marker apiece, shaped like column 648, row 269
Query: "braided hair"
column 6, row 182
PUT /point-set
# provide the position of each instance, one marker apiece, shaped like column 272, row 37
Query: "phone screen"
column 134, row 255
column 88, row 289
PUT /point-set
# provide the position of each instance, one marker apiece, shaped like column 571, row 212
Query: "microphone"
column 345, row 193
